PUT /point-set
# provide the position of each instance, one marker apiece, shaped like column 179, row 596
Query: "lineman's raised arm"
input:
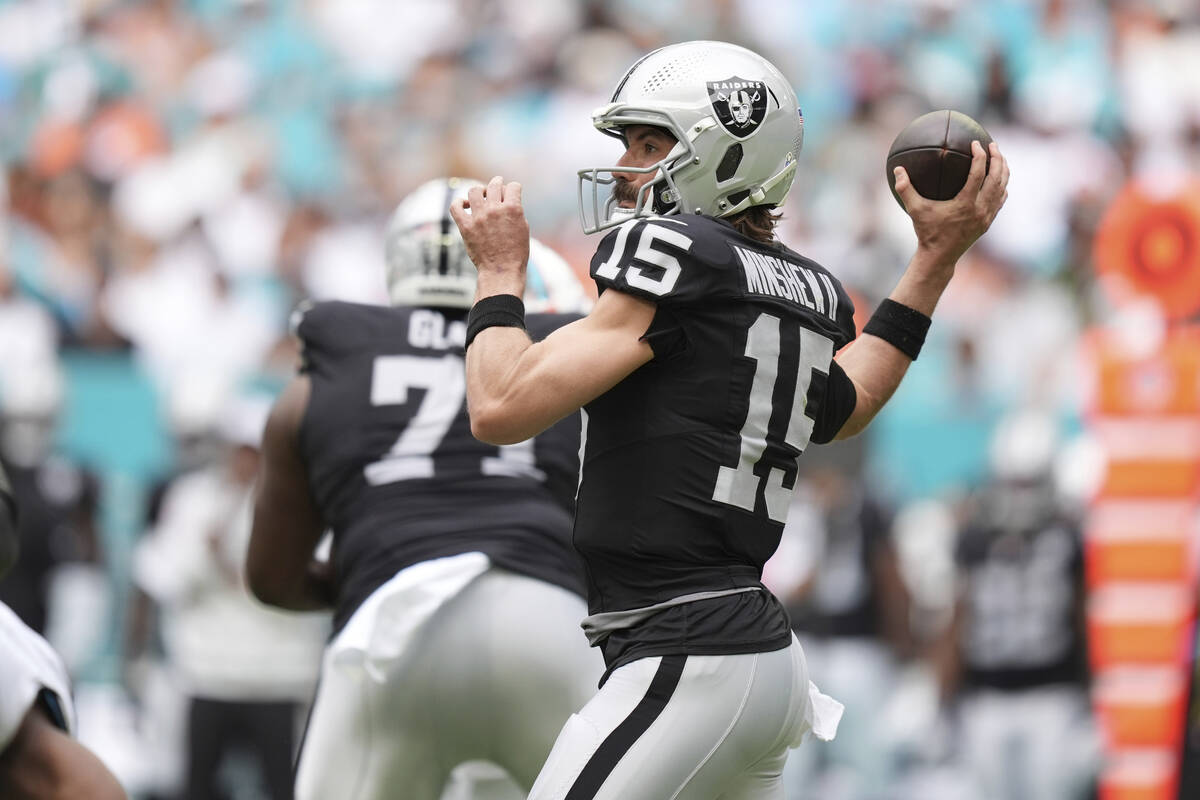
column 878, row 360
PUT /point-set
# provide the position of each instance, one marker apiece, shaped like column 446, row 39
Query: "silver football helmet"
column 737, row 125
column 427, row 262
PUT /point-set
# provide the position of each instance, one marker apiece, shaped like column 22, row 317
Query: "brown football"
column 935, row 149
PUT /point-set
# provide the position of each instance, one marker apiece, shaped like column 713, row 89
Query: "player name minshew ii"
column 776, row 277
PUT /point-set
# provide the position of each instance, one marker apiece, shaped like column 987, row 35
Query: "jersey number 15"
column 738, row 486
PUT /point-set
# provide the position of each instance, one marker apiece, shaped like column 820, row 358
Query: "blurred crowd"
column 179, row 175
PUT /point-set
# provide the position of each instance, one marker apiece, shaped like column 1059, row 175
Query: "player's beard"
column 625, row 193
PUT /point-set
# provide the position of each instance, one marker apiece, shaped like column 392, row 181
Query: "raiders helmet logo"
column 740, row 105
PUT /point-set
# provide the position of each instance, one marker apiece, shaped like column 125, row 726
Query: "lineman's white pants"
column 459, row 662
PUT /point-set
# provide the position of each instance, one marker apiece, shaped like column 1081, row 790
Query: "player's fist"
column 494, row 229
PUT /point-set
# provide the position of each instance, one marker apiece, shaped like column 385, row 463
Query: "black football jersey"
column 1023, row 592
column 394, row 468
column 690, row 462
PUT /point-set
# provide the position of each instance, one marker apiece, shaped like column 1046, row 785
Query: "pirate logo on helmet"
column 740, row 105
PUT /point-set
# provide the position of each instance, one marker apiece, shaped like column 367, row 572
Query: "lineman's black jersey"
column 394, row 468
column 690, row 462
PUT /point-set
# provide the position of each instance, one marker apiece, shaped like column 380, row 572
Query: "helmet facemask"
column 658, row 196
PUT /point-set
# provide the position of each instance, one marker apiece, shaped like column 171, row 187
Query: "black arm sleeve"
column 837, row 405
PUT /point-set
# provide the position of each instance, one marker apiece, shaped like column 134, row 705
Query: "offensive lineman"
column 455, row 590
column 705, row 368
column 39, row 759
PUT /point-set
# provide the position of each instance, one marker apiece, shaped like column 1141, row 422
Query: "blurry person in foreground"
column 1013, row 662
column 455, row 591
column 39, row 758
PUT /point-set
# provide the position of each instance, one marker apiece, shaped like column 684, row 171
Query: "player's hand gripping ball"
column 935, row 150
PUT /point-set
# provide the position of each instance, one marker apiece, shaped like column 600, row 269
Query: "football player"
column 455, row 591
column 705, row 368
column 39, row 759
column 1014, row 659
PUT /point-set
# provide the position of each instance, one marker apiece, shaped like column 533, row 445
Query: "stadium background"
column 179, row 175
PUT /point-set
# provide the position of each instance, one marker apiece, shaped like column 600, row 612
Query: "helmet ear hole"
column 729, row 162
column 732, row 201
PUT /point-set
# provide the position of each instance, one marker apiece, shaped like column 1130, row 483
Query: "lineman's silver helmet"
column 737, row 125
column 427, row 262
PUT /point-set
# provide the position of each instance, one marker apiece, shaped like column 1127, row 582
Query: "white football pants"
column 491, row 673
column 1034, row 744
column 689, row 727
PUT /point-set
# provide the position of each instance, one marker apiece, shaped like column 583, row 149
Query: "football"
column 935, row 149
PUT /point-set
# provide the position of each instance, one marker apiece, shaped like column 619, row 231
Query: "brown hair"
column 756, row 222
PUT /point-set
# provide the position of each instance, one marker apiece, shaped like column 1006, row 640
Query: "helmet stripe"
column 444, row 246
column 632, row 69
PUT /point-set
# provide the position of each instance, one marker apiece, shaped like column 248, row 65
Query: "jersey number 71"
column 443, row 381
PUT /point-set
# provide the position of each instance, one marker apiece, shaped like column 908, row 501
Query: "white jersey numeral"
column 738, row 486
column 646, row 254
column 444, row 382
column 1022, row 608
column 445, row 387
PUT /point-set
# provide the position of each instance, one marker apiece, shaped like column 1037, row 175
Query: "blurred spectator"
column 186, row 318
column 28, row 339
column 1014, row 660
column 55, row 250
column 246, row 669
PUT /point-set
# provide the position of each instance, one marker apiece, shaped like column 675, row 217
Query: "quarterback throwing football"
column 705, row 368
